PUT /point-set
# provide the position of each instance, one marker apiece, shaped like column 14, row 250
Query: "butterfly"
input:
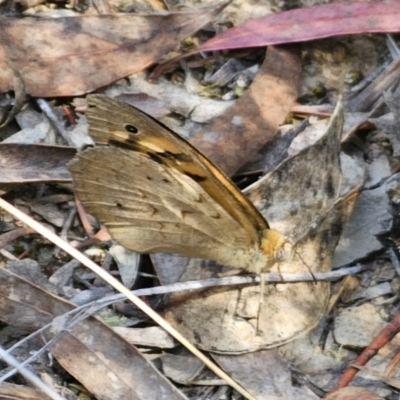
column 155, row 192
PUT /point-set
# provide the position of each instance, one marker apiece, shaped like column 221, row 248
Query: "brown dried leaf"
column 74, row 55
column 235, row 137
column 9, row 391
column 353, row 393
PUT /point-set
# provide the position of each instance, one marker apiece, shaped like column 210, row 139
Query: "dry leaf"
column 353, row 393
column 20, row 163
column 265, row 374
column 298, row 199
column 236, row 136
column 300, row 25
column 9, row 391
column 74, row 55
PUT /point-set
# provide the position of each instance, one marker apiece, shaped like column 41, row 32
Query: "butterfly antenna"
column 309, row 269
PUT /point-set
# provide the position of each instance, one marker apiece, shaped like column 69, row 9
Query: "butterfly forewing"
column 131, row 129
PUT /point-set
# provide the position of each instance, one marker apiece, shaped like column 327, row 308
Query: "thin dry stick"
column 122, row 289
column 29, row 375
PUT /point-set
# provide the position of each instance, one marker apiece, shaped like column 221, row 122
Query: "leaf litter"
column 313, row 226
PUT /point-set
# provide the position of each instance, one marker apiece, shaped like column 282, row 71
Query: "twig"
column 384, row 337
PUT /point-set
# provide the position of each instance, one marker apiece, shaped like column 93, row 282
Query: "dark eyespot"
column 131, row 129
column 165, row 180
column 149, row 178
column 119, row 205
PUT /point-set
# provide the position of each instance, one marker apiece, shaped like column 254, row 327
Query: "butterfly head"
column 276, row 247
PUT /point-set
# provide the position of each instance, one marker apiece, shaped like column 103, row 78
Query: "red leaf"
column 300, row 25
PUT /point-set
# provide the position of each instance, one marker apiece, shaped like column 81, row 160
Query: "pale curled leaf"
column 304, row 187
column 224, row 320
column 127, row 262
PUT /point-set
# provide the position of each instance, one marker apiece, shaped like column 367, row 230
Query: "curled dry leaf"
column 128, row 264
column 300, row 199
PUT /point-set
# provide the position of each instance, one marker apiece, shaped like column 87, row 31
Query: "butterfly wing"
column 132, row 129
column 149, row 207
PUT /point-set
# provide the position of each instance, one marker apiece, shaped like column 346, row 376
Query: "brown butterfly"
column 156, row 193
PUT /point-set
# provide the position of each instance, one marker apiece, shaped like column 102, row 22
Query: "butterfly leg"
column 260, row 303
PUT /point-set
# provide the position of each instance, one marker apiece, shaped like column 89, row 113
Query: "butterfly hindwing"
column 149, row 207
